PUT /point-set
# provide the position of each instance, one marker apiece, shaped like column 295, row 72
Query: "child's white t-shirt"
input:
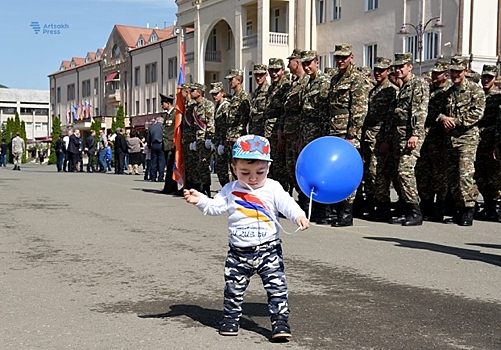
column 252, row 214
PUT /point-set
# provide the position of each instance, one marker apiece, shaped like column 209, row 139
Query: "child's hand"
column 303, row 222
column 191, row 196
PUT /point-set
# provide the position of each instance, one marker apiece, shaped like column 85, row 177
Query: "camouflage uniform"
column 238, row 118
column 473, row 76
column 273, row 111
column 203, row 113
column 430, row 173
column 258, row 103
column 377, row 178
column 220, row 117
column 188, row 137
column 487, row 169
column 465, row 104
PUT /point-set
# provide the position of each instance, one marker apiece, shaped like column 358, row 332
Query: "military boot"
column 344, row 215
column 382, row 212
column 206, row 190
column 455, row 218
column 426, row 207
column 401, row 213
column 414, row 216
column 467, row 217
column 438, row 214
column 325, row 212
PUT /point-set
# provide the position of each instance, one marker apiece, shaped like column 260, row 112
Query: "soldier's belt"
column 340, row 111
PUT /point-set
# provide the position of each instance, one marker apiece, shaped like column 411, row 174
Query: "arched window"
column 116, row 51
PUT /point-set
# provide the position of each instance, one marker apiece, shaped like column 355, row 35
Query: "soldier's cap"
column 402, row 58
column 426, row 75
column 472, row 75
column 296, row 54
column 186, row 86
column 260, row 69
column 343, row 49
column 382, row 63
column 490, row 70
column 216, row 87
column 308, row 55
column 276, row 63
column 364, row 70
column 234, row 73
column 459, row 63
column 167, row 99
column 441, row 66
column 197, row 86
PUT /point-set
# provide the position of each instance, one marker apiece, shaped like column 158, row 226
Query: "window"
column 229, row 39
column 137, row 107
column 148, row 109
column 371, row 5
column 153, row 37
column 38, row 126
column 336, row 9
column 137, row 76
column 96, row 86
column 70, row 92
column 332, row 60
column 115, row 52
column 321, row 62
column 276, row 21
column 154, row 101
column 320, row 11
column 431, row 47
column 154, row 72
column 140, row 42
column 250, row 79
column 370, row 54
column 172, row 67
column 86, row 88
column 147, row 74
column 213, row 40
column 29, row 125
column 411, row 45
column 58, row 93
column 248, row 30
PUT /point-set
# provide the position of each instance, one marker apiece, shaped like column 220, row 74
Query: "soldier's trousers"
column 291, row 155
column 278, row 170
column 430, row 171
column 487, row 169
column 265, row 260
column 461, row 172
column 203, row 162
column 190, row 164
column 221, row 168
column 406, row 162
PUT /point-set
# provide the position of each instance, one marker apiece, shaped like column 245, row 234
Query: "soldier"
column 462, row 107
column 167, row 103
column 430, row 176
column 203, row 123
column 258, row 99
column 377, row 177
column 314, row 106
column 487, row 169
column 409, row 116
column 290, row 119
column 219, row 140
column 275, row 97
column 239, row 113
column 348, row 98
column 191, row 177
column 473, row 76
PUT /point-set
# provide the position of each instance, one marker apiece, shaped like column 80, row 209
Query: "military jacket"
column 275, row 98
column 188, row 130
column 168, row 130
column 492, row 103
column 314, row 107
column 221, row 115
column 348, row 103
column 257, row 106
column 435, row 101
column 381, row 98
column 203, row 119
column 410, row 110
column 291, row 114
column 466, row 105
column 239, row 115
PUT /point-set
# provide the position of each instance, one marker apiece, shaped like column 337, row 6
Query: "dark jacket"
column 155, row 134
column 168, row 130
column 74, row 144
column 60, row 147
column 90, row 144
column 120, row 144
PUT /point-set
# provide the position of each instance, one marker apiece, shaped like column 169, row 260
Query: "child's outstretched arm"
column 191, row 196
column 303, row 222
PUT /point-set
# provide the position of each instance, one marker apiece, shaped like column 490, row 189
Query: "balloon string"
column 310, row 206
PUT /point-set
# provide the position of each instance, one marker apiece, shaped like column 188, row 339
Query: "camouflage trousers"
column 191, row 176
column 203, row 162
column 386, row 173
column 256, row 127
column 222, row 168
column 371, row 157
column 405, row 162
column 291, row 155
column 278, row 170
column 430, row 171
column 461, row 172
column 487, row 169
column 265, row 260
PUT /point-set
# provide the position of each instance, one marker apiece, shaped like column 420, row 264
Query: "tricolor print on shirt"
column 252, row 207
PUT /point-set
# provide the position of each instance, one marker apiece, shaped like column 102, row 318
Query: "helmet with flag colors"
column 252, row 147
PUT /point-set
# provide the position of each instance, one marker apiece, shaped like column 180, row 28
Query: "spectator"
column 3, row 153
column 134, row 148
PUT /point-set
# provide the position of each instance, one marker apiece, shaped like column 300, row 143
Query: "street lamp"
column 420, row 30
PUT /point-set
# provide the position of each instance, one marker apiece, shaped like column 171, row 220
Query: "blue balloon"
column 331, row 167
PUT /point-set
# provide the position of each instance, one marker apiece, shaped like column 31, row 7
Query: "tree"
column 56, row 133
column 96, row 126
column 119, row 120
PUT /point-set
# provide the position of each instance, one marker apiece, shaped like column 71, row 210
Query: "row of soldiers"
column 427, row 139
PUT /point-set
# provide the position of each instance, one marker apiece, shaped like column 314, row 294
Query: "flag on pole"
column 178, row 172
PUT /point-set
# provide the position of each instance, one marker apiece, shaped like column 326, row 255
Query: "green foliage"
column 56, row 133
column 119, row 120
column 96, row 126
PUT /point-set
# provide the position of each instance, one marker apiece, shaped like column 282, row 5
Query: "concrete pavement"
column 101, row 261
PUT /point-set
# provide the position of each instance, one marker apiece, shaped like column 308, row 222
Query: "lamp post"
column 420, row 30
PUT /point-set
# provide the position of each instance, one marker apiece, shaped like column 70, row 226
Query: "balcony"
column 249, row 41
column 114, row 96
column 278, row 39
column 189, row 57
column 213, row 56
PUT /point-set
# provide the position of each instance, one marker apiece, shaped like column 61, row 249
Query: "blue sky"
column 27, row 58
